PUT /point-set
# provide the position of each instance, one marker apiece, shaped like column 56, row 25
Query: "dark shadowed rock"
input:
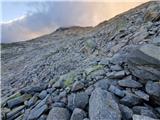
column 57, row 113
column 78, row 100
column 103, row 106
column 153, row 88
column 78, row 114
column 127, row 113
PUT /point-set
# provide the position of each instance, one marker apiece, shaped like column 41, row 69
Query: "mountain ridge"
column 73, row 70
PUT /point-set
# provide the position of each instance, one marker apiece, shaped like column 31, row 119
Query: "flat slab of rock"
column 78, row 100
column 129, row 83
column 103, row 106
column 57, row 113
column 142, row 117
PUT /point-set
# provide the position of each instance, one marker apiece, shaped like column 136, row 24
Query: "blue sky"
column 26, row 20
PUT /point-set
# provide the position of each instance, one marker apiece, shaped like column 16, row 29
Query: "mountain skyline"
column 27, row 20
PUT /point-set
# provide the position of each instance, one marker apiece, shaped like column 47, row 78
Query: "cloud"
column 48, row 16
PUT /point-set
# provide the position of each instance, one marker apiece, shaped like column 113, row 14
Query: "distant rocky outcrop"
column 107, row 72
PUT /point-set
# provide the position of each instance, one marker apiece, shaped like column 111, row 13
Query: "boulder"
column 144, row 62
column 57, row 113
column 103, row 106
column 78, row 100
column 78, row 114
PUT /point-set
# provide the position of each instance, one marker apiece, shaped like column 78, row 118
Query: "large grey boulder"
column 78, row 100
column 144, row 62
column 103, row 106
column 57, row 113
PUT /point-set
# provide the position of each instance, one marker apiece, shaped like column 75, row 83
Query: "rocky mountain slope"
column 107, row 72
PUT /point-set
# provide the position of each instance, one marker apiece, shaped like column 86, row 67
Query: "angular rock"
column 127, row 113
column 116, row 91
column 103, row 106
column 129, row 83
column 78, row 100
column 78, row 114
column 116, row 75
column 77, row 86
column 142, row 95
column 153, row 88
column 142, row 117
column 57, row 113
column 103, row 84
column 39, row 109
column 89, row 90
column 43, row 94
column 37, row 112
column 32, row 101
column 116, row 67
column 144, row 62
column 58, row 84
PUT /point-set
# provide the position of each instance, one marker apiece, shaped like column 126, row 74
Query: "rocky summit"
column 107, row 72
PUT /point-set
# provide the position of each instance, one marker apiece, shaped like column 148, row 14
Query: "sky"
column 24, row 20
